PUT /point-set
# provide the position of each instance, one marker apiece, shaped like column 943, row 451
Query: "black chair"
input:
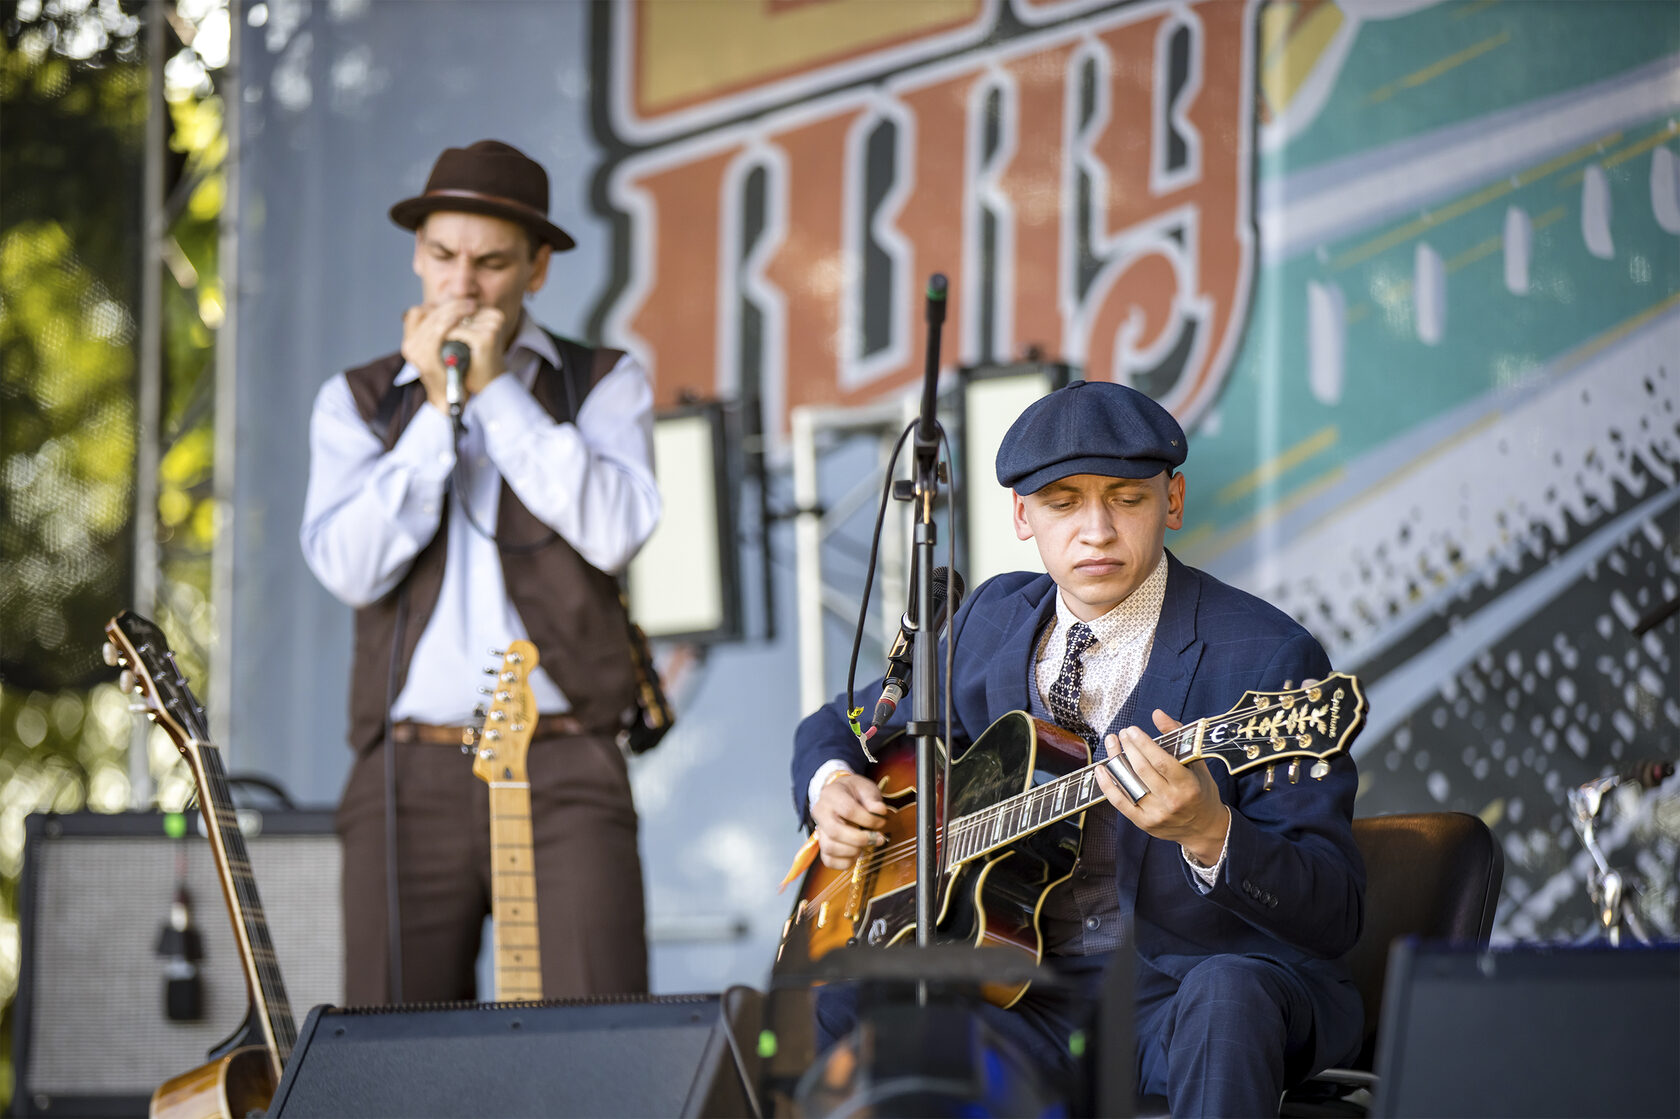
column 1429, row 875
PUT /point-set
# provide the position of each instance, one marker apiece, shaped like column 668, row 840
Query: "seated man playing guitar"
column 1242, row 890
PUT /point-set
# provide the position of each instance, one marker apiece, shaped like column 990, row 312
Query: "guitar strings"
column 876, row 861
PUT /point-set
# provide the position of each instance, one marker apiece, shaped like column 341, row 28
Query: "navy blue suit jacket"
column 1292, row 888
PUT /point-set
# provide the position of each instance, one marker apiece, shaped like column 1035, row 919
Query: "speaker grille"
column 94, row 1023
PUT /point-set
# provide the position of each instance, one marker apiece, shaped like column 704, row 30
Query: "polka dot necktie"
column 1064, row 693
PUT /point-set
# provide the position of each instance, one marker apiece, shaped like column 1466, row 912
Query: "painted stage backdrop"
column 1408, row 272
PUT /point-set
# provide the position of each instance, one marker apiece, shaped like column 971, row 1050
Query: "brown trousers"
column 588, row 872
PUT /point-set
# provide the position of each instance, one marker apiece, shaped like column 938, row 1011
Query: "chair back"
column 1431, row 875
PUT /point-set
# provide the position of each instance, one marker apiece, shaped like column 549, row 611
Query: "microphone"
column 457, row 356
column 946, row 583
column 926, row 436
column 181, row 948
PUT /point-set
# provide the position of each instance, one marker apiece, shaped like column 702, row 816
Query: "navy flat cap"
column 1089, row 427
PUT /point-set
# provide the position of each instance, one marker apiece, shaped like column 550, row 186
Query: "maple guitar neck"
column 500, row 763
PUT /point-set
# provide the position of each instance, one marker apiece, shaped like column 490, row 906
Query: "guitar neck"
column 513, row 893
column 1265, row 728
column 239, row 887
column 1012, row 819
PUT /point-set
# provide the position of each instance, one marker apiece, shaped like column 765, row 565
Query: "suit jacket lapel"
column 1008, row 675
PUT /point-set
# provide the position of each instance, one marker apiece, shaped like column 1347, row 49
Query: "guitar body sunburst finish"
column 991, row 900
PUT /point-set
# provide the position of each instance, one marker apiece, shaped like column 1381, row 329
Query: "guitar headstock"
column 1264, row 728
column 149, row 671
column 511, row 719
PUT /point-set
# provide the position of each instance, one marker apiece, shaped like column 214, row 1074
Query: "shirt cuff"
column 820, row 778
column 1209, row 875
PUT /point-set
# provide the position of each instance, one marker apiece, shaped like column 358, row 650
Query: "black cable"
column 939, row 850
column 393, row 910
column 869, row 581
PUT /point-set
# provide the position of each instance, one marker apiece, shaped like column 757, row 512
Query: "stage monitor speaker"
column 91, row 1036
column 1530, row 1031
column 660, row 1055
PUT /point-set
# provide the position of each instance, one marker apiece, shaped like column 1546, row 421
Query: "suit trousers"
column 584, row 855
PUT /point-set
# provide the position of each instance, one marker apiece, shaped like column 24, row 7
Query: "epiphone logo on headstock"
column 1293, row 719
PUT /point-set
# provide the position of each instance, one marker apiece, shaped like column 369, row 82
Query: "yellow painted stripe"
column 1283, row 73
column 1431, row 72
column 1586, row 350
column 1638, row 147
column 1246, row 528
column 1472, row 255
column 1362, row 253
column 1472, row 9
column 1275, row 19
column 1550, row 216
column 1314, row 444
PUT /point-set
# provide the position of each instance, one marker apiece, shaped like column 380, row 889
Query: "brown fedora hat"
column 490, row 178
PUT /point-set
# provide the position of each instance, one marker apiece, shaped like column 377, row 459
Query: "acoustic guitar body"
column 990, row 901
column 229, row 1087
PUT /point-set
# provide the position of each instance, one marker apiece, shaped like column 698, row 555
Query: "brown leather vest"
column 570, row 608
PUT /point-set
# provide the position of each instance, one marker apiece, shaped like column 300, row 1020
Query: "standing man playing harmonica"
column 451, row 537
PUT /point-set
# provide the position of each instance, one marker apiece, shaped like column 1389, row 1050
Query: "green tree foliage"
column 73, row 112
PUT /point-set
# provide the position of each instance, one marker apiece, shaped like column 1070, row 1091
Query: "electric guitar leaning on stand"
column 499, row 761
column 1018, row 800
column 244, row 1070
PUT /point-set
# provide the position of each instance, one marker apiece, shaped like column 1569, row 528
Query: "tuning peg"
column 1320, row 770
column 1295, row 771
column 109, row 652
column 137, row 707
column 125, row 680
column 478, row 711
column 482, row 690
column 492, row 671
column 492, row 734
column 514, row 658
column 509, row 677
column 498, row 716
column 498, row 652
column 504, row 696
column 1268, row 786
column 486, row 753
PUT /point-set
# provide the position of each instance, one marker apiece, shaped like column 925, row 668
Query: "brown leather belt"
column 431, row 734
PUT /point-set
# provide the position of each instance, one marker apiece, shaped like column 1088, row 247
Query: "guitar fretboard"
column 1308, row 723
column 513, row 893
column 240, row 887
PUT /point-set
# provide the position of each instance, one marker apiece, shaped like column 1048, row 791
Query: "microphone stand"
column 924, row 677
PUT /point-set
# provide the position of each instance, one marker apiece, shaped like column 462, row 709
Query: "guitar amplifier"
column 90, row 1033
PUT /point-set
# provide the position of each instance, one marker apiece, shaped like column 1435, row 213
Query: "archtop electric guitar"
column 1018, row 798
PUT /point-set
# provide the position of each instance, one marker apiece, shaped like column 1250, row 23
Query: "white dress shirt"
column 369, row 512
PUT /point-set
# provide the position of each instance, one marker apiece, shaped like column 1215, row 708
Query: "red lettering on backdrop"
column 931, row 221
column 810, row 265
column 1033, row 183
column 1140, row 299
column 677, row 317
